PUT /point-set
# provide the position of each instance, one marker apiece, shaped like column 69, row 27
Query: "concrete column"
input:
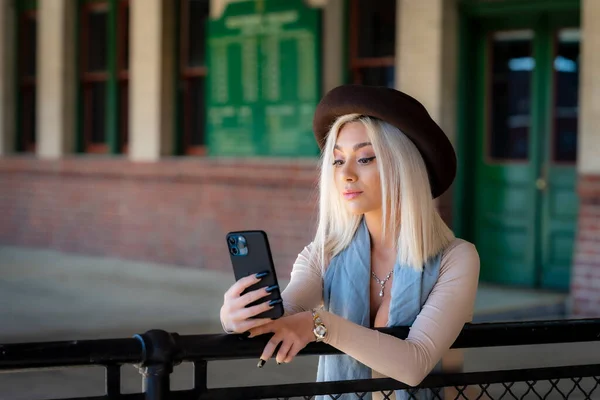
column 56, row 78
column 333, row 44
column 426, row 65
column 426, row 56
column 589, row 90
column 151, row 79
column 7, row 77
column 584, row 299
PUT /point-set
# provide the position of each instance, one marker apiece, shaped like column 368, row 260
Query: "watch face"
column 320, row 330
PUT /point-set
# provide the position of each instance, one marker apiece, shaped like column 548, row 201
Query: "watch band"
column 319, row 330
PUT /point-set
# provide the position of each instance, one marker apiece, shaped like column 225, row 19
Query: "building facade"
column 149, row 129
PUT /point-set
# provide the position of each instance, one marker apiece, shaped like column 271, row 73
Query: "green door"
column 526, row 136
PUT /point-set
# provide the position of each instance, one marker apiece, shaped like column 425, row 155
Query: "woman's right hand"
column 235, row 316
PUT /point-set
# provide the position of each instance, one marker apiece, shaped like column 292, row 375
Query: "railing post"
column 160, row 353
column 157, row 382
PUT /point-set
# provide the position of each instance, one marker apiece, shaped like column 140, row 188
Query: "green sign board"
column 263, row 79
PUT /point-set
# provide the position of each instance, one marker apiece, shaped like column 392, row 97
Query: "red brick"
column 585, row 288
column 176, row 211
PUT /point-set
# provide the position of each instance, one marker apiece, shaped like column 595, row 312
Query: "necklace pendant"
column 381, row 293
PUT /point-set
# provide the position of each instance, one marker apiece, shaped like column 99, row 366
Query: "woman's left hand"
column 294, row 332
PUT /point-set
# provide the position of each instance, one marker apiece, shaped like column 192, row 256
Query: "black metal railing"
column 156, row 352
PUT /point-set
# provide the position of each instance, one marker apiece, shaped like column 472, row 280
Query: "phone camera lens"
column 231, row 240
column 234, row 251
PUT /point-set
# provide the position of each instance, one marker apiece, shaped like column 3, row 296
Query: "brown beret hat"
column 399, row 110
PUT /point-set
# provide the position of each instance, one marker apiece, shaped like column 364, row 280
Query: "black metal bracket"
column 160, row 352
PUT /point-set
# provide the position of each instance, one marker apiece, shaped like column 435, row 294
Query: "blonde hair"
column 416, row 227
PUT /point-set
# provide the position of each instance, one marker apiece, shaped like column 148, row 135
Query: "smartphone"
column 250, row 254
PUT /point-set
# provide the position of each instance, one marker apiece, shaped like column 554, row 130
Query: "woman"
column 382, row 255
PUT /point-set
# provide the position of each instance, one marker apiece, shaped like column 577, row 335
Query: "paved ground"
column 47, row 296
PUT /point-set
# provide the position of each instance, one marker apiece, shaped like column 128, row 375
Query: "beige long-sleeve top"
column 449, row 306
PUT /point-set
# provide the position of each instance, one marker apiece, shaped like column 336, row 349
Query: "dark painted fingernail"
column 261, row 362
column 278, row 363
column 262, row 274
column 271, row 288
column 273, row 302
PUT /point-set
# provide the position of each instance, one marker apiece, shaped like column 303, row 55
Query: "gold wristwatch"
column 320, row 330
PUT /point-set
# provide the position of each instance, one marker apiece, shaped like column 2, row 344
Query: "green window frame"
column 103, row 76
column 190, row 77
column 371, row 22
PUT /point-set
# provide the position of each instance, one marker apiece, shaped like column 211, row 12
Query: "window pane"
column 124, row 112
column 566, row 112
column 198, row 13
column 96, row 49
column 377, row 28
column 124, row 40
column 28, row 114
column 96, row 112
column 29, row 43
column 510, row 94
column 196, row 115
column 380, row 76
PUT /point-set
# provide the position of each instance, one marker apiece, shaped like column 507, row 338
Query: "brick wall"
column 585, row 286
column 174, row 211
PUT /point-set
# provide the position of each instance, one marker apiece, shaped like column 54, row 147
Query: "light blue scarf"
column 346, row 290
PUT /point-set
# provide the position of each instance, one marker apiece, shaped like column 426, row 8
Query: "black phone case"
column 257, row 259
